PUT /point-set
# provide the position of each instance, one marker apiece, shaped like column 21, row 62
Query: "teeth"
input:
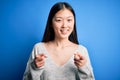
column 64, row 30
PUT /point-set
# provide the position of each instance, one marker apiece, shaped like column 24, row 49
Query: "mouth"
column 64, row 31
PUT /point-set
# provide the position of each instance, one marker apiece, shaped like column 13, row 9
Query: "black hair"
column 49, row 34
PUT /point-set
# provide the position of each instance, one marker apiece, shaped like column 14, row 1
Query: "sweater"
column 50, row 71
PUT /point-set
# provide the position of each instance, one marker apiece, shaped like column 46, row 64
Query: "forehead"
column 64, row 13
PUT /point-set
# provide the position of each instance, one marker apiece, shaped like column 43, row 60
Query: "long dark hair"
column 49, row 34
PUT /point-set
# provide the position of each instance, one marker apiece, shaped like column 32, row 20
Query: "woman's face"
column 63, row 23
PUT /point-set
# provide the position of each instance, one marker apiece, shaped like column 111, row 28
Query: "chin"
column 64, row 36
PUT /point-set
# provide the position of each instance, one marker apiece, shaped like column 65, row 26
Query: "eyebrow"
column 67, row 17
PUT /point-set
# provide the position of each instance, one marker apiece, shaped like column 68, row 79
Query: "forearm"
column 85, row 73
column 33, row 73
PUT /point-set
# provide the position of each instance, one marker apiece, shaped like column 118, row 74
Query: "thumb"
column 76, row 57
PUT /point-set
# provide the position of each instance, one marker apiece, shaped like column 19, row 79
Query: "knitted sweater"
column 50, row 71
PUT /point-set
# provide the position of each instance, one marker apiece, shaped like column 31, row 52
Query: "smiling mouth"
column 64, row 31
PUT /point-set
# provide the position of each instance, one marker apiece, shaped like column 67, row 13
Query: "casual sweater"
column 50, row 71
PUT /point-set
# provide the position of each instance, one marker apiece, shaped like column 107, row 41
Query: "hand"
column 40, row 60
column 79, row 60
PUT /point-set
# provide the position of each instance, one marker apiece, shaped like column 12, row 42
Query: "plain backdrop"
column 22, row 24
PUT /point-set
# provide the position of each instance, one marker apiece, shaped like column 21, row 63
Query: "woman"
column 59, row 56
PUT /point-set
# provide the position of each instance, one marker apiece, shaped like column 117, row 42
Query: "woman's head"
column 55, row 16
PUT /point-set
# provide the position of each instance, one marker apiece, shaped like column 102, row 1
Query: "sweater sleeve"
column 31, row 72
column 85, row 72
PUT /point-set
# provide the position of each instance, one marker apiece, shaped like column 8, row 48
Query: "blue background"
column 22, row 24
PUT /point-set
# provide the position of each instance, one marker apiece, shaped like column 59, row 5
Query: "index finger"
column 41, row 55
column 80, row 56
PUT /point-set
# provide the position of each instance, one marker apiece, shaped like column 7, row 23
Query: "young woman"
column 59, row 56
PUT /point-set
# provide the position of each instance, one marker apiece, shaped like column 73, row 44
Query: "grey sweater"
column 51, row 71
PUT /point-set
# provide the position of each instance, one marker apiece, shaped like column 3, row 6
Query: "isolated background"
column 22, row 24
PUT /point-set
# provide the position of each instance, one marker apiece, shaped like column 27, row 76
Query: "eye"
column 69, row 20
column 58, row 20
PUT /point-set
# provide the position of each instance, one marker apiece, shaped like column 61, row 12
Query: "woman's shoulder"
column 39, row 44
column 82, row 49
column 82, row 46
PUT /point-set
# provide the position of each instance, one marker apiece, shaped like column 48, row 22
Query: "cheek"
column 56, row 26
column 71, row 26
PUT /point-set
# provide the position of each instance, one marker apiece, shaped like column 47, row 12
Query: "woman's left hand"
column 79, row 60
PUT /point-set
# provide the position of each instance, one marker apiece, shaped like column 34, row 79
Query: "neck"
column 61, row 43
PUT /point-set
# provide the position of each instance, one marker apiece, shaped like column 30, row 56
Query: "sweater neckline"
column 53, row 62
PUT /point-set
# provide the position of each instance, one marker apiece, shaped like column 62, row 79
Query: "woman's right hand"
column 40, row 60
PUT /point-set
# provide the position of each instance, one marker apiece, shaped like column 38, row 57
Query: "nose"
column 64, row 24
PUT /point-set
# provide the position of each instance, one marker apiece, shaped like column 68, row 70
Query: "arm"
column 32, row 72
column 85, row 72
